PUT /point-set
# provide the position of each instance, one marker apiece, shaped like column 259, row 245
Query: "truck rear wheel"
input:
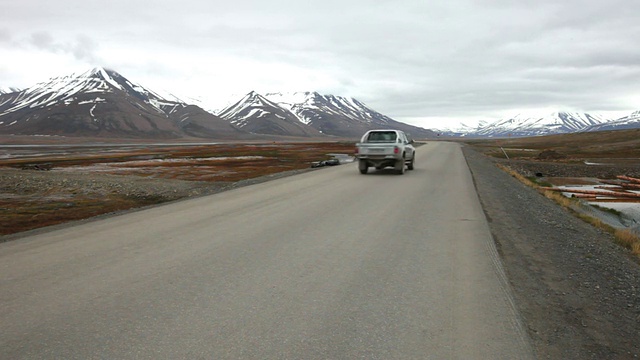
column 399, row 167
column 362, row 166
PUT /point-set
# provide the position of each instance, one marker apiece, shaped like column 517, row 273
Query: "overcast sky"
column 428, row 63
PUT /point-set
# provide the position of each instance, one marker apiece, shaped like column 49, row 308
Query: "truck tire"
column 410, row 166
column 362, row 166
column 399, row 167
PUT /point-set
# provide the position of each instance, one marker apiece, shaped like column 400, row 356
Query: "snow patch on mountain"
column 100, row 102
column 65, row 90
column 307, row 105
column 71, row 104
column 330, row 115
column 527, row 125
column 256, row 105
column 631, row 121
column 8, row 90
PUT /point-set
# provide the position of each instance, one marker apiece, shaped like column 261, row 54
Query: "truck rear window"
column 382, row 136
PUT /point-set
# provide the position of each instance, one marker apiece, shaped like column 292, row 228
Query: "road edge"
column 577, row 292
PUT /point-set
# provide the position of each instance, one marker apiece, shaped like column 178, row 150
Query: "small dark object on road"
column 331, row 162
column 40, row 167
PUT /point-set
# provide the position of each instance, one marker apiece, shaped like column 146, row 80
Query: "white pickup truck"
column 385, row 148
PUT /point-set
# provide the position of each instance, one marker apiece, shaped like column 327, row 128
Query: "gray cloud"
column 408, row 58
column 82, row 47
column 5, row 35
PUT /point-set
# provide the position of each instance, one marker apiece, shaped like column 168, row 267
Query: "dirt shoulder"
column 578, row 292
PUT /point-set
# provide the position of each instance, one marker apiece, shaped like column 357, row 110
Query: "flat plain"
column 49, row 184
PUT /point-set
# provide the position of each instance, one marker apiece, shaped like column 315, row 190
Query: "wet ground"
column 588, row 175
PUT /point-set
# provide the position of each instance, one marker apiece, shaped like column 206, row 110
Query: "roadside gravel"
column 55, row 183
column 29, row 196
column 577, row 291
column 25, row 182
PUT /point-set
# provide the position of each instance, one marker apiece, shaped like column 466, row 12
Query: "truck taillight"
column 396, row 150
column 356, row 150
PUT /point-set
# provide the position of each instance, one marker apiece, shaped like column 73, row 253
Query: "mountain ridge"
column 631, row 121
column 103, row 103
column 555, row 123
column 338, row 115
column 521, row 125
column 8, row 90
column 257, row 114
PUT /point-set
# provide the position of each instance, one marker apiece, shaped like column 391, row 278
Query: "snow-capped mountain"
column 628, row 122
column 461, row 129
column 103, row 103
column 521, row 125
column 311, row 106
column 8, row 90
column 256, row 114
column 329, row 114
column 337, row 115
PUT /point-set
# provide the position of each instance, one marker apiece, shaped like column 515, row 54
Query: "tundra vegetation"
column 578, row 159
column 48, row 187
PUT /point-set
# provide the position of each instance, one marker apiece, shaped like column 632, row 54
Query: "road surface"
column 329, row 264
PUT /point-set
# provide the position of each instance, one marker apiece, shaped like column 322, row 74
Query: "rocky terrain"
column 577, row 291
column 53, row 197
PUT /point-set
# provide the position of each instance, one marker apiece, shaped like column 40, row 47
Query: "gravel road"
column 324, row 265
column 578, row 292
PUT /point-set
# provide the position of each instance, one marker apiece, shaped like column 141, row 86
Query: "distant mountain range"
column 103, row 103
column 554, row 123
column 310, row 114
column 628, row 122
